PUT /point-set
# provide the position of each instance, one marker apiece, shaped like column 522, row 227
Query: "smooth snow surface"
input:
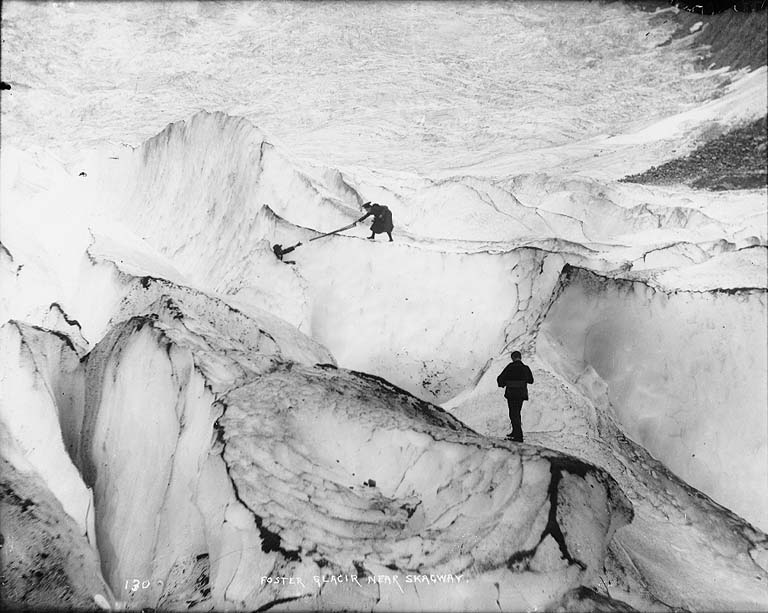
column 199, row 415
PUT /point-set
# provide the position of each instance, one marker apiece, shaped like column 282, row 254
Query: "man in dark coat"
column 280, row 252
column 515, row 378
column 382, row 219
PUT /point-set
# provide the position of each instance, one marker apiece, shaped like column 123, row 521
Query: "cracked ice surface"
column 675, row 526
column 424, row 505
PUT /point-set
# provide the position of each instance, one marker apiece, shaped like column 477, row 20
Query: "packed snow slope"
column 190, row 423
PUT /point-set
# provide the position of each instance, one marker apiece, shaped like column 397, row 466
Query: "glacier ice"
column 317, row 470
column 188, row 423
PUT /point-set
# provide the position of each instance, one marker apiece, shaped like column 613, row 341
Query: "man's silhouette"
column 280, row 252
column 515, row 378
column 382, row 219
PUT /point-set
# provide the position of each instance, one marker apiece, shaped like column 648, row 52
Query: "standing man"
column 382, row 219
column 515, row 377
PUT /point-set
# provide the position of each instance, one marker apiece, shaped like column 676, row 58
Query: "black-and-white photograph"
column 384, row 306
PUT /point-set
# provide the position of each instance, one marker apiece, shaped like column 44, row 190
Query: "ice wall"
column 49, row 550
column 213, row 196
column 193, row 192
column 169, row 274
column 426, row 320
column 686, row 376
column 41, row 390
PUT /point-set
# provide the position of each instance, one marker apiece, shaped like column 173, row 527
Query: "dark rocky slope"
column 734, row 35
column 734, row 160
